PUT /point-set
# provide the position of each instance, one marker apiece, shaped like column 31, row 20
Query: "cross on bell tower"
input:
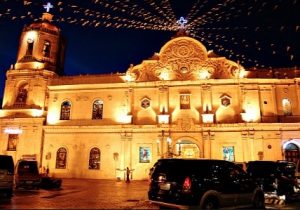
column 181, row 22
column 48, row 6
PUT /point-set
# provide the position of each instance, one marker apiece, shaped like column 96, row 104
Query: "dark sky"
column 105, row 36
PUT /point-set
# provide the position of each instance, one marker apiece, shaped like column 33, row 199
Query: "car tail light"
column 187, row 184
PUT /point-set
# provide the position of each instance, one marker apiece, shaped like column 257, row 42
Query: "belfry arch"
column 291, row 150
column 187, row 147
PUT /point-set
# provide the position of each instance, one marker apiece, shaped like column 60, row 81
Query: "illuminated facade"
column 183, row 102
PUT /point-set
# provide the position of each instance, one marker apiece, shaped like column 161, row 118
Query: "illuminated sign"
column 13, row 130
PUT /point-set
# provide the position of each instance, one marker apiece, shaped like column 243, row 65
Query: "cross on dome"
column 181, row 22
column 48, row 6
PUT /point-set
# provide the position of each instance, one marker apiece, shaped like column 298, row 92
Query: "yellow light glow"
column 13, row 131
column 249, row 115
column 31, row 35
column 243, row 73
column 163, row 119
column 204, row 74
column 122, row 116
column 2, row 113
column 52, row 119
column 38, row 65
column 37, row 112
column 169, row 140
column 125, row 118
column 208, row 118
column 129, row 77
column 164, row 75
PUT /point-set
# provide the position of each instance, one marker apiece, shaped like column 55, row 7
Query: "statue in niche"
column 22, row 95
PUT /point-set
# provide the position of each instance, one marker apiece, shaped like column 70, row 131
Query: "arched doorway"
column 185, row 148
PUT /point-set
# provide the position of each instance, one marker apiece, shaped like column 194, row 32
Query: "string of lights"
column 258, row 33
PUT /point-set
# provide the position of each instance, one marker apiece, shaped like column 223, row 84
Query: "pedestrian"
column 127, row 175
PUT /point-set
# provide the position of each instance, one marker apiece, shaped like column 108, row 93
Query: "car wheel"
column 210, row 203
column 259, row 201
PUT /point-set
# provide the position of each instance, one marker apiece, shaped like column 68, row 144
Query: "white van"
column 6, row 175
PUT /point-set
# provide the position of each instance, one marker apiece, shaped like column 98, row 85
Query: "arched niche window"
column 97, row 109
column 145, row 103
column 185, row 101
column 61, row 158
column 287, row 107
column 46, row 49
column 30, row 43
column 65, row 110
column 225, row 100
column 292, row 153
column 22, row 94
column 94, row 160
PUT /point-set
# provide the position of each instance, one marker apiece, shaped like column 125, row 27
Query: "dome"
column 183, row 47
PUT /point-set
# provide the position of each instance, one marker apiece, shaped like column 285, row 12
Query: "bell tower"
column 40, row 58
column 41, row 46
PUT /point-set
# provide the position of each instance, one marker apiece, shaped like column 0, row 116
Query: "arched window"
column 94, row 161
column 61, row 158
column 46, row 49
column 287, row 107
column 22, row 94
column 29, row 50
column 292, row 152
column 97, row 109
column 65, row 110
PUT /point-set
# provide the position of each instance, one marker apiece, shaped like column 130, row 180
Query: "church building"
column 183, row 102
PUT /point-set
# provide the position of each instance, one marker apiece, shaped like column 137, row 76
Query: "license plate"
column 165, row 186
column 29, row 182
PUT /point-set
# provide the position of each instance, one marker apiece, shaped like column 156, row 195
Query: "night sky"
column 105, row 36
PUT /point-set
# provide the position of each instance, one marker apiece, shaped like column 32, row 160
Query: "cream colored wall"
column 30, row 140
column 267, row 101
column 288, row 91
column 146, row 116
column 178, row 114
column 37, row 87
column 78, row 146
column 141, row 170
column 229, row 114
column 115, row 103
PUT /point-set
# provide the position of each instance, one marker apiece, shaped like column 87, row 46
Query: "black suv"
column 274, row 176
column 201, row 183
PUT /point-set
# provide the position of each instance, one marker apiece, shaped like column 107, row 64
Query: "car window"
column 7, row 163
column 175, row 168
column 27, row 167
column 262, row 167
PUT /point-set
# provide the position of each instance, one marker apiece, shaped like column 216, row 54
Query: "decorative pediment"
column 183, row 58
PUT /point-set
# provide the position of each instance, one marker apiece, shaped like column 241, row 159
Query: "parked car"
column 6, row 175
column 27, row 174
column 202, row 183
column 243, row 165
column 274, row 176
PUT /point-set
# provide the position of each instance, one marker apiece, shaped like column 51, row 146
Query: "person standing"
column 127, row 175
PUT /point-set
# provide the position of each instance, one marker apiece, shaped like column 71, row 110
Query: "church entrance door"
column 187, row 149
